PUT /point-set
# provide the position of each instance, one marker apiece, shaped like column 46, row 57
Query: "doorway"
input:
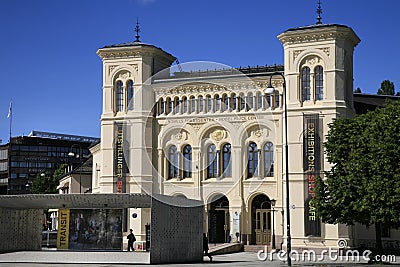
column 219, row 230
column 261, row 220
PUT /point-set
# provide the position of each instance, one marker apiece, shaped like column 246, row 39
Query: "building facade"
column 39, row 152
column 216, row 136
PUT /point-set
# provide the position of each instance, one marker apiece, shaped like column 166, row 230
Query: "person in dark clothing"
column 131, row 239
column 205, row 246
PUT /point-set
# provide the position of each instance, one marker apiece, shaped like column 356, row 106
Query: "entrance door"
column 219, row 220
column 263, row 227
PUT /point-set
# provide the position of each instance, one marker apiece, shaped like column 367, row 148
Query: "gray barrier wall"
column 20, row 229
column 176, row 230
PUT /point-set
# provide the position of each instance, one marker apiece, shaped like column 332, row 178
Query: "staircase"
column 225, row 248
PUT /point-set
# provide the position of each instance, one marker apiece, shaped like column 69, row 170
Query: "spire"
column 319, row 12
column 137, row 30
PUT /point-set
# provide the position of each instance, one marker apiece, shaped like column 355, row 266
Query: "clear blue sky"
column 49, row 66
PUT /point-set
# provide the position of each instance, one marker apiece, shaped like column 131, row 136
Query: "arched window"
column 120, row 96
column 268, row 159
column 172, row 162
column 259, row 101
column 251, row 101
column 170, row 105
column 234, row 102
column 217, row 103
column 209, row 103
column 162, row 106
column 252, row 163
column 319, row 83
column 212, row 162
column 225, row 100
column 192, row 104
column 176, row 106
column 201, row 104
column 305, row 84
column 242, row 102
column 187, row 161
column 277, row 100
column 226, row 161
column 130, row 94
column 268, row 100
column 185, row 105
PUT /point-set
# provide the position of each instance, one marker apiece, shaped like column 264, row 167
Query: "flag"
column 10, row 110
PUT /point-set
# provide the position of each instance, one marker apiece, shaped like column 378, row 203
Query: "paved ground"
column 104, row 259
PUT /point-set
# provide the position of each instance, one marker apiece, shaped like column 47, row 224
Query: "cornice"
column 318, row 34
column 133, row 52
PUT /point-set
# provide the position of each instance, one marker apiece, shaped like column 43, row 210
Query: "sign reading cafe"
column 312, row 168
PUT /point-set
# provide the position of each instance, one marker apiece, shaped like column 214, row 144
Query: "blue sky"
column 49, row 66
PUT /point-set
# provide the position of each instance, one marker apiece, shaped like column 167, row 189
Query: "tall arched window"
column 268, row 159
column 226, row 160
column 251, row 101
column 212, row 171
column 192, row 104
column 259, row 101
column 242, row 102
column 120, row 96
column 201, row 104
column 277, row 100
column 172, row 162
column 225, row 100
column 252, row 162
column 217, row 103
column 187, row 161
column 185, row 105
column 130, row 94
column 169, row 105
column 319, row 83
column 234, row 102
column 209, row 103
column 305, row 84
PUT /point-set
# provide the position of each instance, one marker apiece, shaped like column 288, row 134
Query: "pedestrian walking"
column 131, row 239
column 205, row 246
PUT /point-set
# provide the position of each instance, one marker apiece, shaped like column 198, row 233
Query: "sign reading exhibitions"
column 312, row 168
column 119, row 160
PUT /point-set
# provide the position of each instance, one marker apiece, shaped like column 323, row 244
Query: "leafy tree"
column 358, row 90
column 387, row 88
column 363, row 184
column 47, row 182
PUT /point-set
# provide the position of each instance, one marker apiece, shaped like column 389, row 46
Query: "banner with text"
column 63, row 229
column 312, row 168
column 120, row 167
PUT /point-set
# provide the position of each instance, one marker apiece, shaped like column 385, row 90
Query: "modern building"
column 216, row 136
column 39, row 152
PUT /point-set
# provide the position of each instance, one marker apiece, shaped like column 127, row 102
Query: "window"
column 226, row 160
column 251, row 101
column 130, row 94
column 259, row 101
column 185, row 105
column 242, row 103
column 268, row 159
column 120, row 96
column 277, row 100
column 172, row 162
column 226, row 103
column 201, row 104
column 212, row 162
column 305, row 84
column 209, row 104
column 192, row 104
column 319, row 83
column 234, row 102
column 170, row 105
column 187, row 161
column 217, row 103
column 252, row 160
column 162, row 106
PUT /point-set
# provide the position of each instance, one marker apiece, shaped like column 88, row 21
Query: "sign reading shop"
column 312, row 168
column 120, row 167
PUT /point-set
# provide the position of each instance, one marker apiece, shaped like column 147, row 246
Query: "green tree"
column 387, row 88
column 363, row 185
column 358, row 90
column 47, row 182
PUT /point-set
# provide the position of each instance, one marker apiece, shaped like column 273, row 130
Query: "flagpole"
column 10, row 115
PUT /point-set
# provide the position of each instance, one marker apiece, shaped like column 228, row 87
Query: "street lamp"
column 271, row 90
column 273, row 202
column 80, row 156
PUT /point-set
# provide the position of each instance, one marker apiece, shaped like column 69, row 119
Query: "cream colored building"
column 217, row 137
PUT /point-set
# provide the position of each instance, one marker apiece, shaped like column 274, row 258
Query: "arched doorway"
column 218, row 218
column 261, row 220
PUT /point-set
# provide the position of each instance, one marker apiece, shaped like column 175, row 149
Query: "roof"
column 316, row 26
column 136, row 44
column 59, row 201
column 368, row 102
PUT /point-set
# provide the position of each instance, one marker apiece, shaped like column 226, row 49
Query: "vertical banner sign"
column 119, row 160
column 63, row 229
column 312, row 168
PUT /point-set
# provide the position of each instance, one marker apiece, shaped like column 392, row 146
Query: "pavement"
column 104, row 259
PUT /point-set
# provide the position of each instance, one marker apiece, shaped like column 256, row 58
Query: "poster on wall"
column 312, row 169
column 120, row 167
column 90, row 229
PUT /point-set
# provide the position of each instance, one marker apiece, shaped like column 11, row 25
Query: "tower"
column 125, row 151
column 318, row 62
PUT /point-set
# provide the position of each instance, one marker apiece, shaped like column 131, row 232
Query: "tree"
column 363, row 184
column 387, row 88
column 47, row 182
column 358, row 90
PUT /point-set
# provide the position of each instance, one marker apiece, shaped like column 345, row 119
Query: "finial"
column 137, row 30
column 319, row 12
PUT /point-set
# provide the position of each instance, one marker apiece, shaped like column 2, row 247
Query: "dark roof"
column 368, row 102
column 84, row 168
column 133, row 44
column 316, row 26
